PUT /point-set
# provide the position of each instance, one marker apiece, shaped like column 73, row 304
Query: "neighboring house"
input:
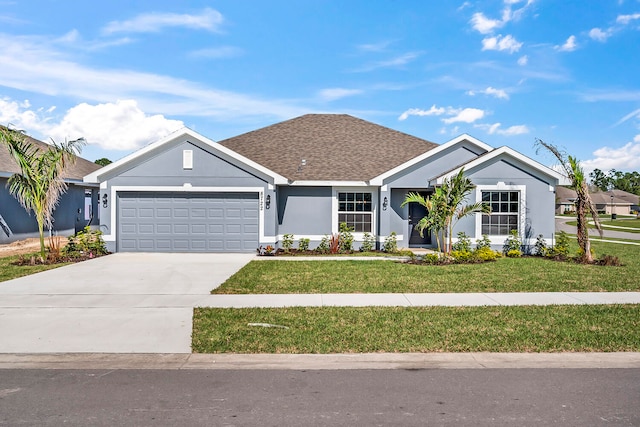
column 77, row 207
column 304, row 176
column 606, row 202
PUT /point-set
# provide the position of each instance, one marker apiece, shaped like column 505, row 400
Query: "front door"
column 416, row 213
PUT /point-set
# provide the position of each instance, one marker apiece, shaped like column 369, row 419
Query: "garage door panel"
column 187, row 222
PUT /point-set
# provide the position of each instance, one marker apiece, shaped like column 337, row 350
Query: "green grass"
column 505, row 275
column 418, row 329
column 9, row 271
column 632, row 224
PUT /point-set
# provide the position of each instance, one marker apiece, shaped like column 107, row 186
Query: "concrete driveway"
column 121, row 303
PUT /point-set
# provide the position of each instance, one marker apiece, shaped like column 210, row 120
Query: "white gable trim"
column 112, row 169
column 562, row 180
column 457, row 140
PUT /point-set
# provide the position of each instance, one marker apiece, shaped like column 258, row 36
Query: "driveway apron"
column 121, row 303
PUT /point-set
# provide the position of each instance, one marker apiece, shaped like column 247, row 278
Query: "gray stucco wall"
column 540, row 200
column 67, row 219
column 419, row 174
column 539, row 204
column 166, row 169
column 416, row 178
column 304, row 211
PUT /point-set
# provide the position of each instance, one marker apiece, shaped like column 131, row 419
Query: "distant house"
column 305, row 176
column 78, row 207
column 614, row 201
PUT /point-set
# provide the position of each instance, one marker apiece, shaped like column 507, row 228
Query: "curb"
column 408, row 361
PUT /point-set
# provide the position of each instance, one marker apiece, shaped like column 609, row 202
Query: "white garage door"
column 187, row 222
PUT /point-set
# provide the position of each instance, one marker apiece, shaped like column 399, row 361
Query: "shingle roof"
column 335, row 147
column 76, row 171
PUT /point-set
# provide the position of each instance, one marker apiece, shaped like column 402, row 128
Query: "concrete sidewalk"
column 419, row 300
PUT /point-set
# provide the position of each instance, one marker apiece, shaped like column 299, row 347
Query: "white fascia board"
column 329, row 184
column 509, row 152
column 457, row 140
column 109, row 170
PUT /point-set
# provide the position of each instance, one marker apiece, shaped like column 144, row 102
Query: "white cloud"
column 208, row 19
column 35, row 64
column 632, row 115
column 491, row 91
column 625, row 19
column 433, row 111
column 599, row 35
column 626, row 157
column 508, row 43
column 398, row 61
column 466, row 115
column 484, row 25
column 492, row 129
column 18, row 115
column 112, row 126
column 333, row 94
column 374, row 47
column 216, row 52
column 568, row 46
column 523, row 60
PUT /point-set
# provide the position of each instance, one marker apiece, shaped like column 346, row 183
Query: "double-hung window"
column 505, row 212
column 355, row 209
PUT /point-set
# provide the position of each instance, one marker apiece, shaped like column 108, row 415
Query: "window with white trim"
column 355, row 209
column 505, row 211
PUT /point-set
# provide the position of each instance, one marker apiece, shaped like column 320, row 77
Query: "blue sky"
column 123, row 75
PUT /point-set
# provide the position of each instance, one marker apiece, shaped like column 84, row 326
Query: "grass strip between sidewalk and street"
column 573, row 328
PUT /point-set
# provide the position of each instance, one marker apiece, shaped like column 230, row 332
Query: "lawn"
column 9, row 271
column 418, row 329
column 631, row 225
column 528, row 274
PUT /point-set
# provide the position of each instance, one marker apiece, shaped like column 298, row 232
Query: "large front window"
column 355, row 209
column 505, row 211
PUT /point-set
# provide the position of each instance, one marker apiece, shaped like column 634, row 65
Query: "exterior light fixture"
column 267, row 203
column 385, row 203
column 104, row 200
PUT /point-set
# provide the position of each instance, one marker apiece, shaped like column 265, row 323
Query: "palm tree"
column 445, row 207
column 434, row 219
column 456, row 190
column 584, row 205
column 39, row 185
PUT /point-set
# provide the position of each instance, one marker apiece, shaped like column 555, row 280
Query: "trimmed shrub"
column 287, row 242
column 369, row 243
column 345, row 238
column 390, row 243
column 323, row 246
column 303, row 244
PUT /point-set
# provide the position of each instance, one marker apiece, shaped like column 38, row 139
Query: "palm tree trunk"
column 41, row 231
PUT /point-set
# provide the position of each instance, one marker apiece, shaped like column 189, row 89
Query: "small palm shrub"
column 369, row 243
column 345, row 238
column 390, row 243
column 512, row 245
column 561, row 248
column 540, row 248
column 86, row 242
column 485, row 242
column 463, row 244
column 323, row 246
column 303, row 244
column 287, row 242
